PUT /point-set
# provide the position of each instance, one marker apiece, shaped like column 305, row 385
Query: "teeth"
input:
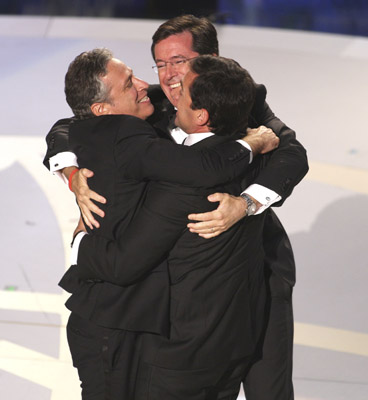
column 145, row 98
column 175, row 85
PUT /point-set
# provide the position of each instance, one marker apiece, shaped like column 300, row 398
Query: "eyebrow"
column 171, row 58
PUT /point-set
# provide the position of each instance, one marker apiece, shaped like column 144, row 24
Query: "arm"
column 213, row 166
column 286, row 166
column 61, row 161
column 147, row 241
column 57, row 141
column 141, row 155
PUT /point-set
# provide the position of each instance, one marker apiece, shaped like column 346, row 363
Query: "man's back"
column 124, row 152
column 215, row 284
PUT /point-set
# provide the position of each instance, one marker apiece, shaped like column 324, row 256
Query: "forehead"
column 117, row 69
column 175, row 45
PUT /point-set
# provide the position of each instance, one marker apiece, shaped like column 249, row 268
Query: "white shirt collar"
column 194, row 138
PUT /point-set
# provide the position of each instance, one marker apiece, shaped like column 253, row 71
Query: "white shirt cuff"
column 60, row 161
column 245, row 144
column 75, row 247
column 265, row 196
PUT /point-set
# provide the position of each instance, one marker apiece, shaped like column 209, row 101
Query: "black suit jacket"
column 286, row 167
column 216, row 286
column 124, row 152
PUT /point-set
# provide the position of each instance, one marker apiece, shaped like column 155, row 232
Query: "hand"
column 261, row 140
column 84, row 196
column 230, row 210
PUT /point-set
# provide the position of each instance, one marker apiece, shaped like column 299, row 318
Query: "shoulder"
column 133, row 124
column 259, row 108
column 261, row 93
column 113, row 126
column 125, row 126
column 118, row 121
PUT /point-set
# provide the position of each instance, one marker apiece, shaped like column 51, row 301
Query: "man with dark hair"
column 204, row 35
column 175, row 43
column 216, row 286
column 222, row 84
column 125, row 152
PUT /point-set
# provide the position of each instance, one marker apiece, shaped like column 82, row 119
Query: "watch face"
column 252, row 209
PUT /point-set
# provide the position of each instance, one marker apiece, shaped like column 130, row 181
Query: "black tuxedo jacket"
column 125, row 152
column 216, row 286
column 286, row 167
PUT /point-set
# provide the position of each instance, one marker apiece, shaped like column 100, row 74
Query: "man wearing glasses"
column 176, row 41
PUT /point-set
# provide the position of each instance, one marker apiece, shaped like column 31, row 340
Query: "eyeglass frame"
column 175, row 63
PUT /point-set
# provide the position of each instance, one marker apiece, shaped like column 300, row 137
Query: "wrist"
column 250, row 204
column 255, row 143
column 70, row 179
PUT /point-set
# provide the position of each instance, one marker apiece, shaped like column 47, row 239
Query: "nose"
column 170, row 70
column 140, row 84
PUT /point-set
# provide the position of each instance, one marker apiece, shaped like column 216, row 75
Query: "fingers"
column 209, row 235
column 100, row 199
column 87, row 173
column 88, row 218
column 217, row 197
column 88, row 207
column 205, row 229
column 212, row 223
column 211, row 215
column 212, row 227
column 208, row 216
column 202, row 227
column 263, row 129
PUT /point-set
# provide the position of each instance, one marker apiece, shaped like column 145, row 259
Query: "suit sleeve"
column 144, row 245
column 288, row 164
column 57, row 140
column 141, row 155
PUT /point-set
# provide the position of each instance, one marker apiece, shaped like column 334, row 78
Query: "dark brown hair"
column 203, row 33
column 225, row 90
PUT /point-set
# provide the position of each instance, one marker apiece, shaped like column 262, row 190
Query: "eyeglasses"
column 177, row 63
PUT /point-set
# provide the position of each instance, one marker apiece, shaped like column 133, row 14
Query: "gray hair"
column 83, row 84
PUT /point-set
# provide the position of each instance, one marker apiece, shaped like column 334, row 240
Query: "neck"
column 200, row 129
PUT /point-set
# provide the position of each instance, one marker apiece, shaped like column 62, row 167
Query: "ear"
column 203, row 117
column 100, row 109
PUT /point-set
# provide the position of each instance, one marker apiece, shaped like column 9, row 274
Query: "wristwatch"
column 252, row 206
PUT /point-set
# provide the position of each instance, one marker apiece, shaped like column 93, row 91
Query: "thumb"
column 87, row 172
column 215, row 197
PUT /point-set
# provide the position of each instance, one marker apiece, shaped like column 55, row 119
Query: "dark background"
column 334, row 16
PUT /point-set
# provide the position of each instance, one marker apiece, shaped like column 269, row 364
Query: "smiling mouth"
column 144, row 99
column 175, row 85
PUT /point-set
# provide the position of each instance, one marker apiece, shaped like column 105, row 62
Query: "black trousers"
column 221, row 382
column 109, row 368
column 270, row 377
column 106, row 359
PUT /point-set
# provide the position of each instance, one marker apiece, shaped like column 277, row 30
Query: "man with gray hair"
column 110, row 136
